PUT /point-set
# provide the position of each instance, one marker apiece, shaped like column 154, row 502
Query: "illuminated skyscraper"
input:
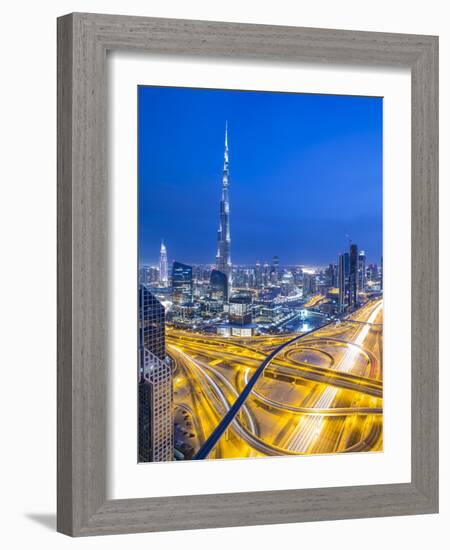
column 182, row 284
column 223, row 256
column 163, row 271
column 362, row 271
column 353, row 275
column 155, row 382
column 343, row 280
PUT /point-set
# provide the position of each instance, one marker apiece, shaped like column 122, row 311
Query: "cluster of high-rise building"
column 355, row 278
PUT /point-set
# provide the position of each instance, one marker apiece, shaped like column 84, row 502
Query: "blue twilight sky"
column 305, row 172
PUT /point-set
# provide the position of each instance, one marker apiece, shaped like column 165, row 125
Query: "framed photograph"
column 247, row 274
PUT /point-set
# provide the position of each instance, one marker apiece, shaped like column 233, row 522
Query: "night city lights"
column 260, row 274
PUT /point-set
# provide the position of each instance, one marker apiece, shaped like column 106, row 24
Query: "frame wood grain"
column 83, row 41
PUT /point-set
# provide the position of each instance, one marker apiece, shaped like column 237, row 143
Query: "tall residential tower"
column 223, row 256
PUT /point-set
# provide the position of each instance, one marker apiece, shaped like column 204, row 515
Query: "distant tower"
column 163, row 271
column 223, row 256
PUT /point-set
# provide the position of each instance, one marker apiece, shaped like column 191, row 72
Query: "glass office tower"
column 155, row 392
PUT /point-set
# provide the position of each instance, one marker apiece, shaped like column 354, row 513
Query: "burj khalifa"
column 223, row 256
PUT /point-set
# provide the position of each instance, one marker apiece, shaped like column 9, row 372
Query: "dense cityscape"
column 259, row 360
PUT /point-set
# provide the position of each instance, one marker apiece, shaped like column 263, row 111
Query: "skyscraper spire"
column 223, row 256
column 163, row 272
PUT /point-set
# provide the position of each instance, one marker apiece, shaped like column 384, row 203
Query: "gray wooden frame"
column 83, row 40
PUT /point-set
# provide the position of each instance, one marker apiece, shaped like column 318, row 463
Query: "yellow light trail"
column 310, row 428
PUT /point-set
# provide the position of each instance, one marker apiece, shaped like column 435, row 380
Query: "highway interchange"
column 321, row 394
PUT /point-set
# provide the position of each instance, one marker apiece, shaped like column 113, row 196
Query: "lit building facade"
column 240, row 315
column 155, row 391
column 240, row 310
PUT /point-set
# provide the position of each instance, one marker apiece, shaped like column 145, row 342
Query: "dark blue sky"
column 305, row 171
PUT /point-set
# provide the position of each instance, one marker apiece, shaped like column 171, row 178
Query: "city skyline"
column 243, row 350
column 172, row 215
column 267, row 259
